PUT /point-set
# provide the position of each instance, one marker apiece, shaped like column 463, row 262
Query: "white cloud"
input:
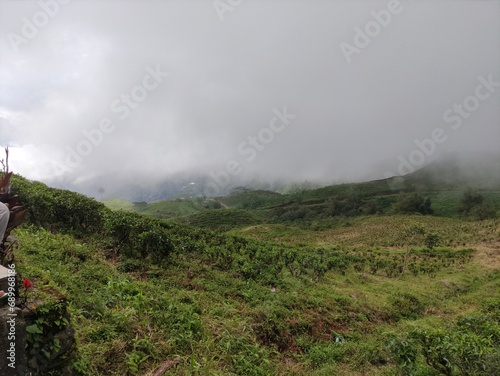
column 226, row 77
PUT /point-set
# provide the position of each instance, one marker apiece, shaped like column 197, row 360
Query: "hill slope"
column 368, row 299
column 328, row 207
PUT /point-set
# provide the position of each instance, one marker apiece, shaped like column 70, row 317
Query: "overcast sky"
column 167, row 86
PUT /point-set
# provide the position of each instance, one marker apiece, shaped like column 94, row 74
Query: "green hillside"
column 222, row 219
column 322, row 208
column 378, row 294
column 165, row 208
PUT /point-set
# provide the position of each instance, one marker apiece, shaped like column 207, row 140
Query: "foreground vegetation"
column 352, row 295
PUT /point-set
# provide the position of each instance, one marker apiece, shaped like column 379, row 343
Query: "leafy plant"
column 432, row 240
column 407, row 306
column 134, row 360
column 405, row 353
column 48, row 320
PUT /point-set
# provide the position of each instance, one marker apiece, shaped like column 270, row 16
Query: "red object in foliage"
column 27, row 283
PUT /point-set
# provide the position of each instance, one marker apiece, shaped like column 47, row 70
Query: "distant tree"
column 413, row 234
column 239, row 190
column 101, row 191
column 470, row 200
column 412, row 203
column 432, row 240
column 212, row 204
column 482, row 212
column 140, row 205
column 428, row 206
column 299, row 187
column 348, row 205
column 474, row 206
column 371, row 207
column 5, row 163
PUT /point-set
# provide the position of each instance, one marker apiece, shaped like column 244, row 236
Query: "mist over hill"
column 476, row 170
column 95, row 103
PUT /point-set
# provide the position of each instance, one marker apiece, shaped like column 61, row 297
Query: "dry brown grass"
column 488, row 255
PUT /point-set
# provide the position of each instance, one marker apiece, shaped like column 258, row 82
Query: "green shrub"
column 272, row 328
column 432, row 240
column 482, row 325
column 470, row 200
column 139, row 236
column 491, row 307
column 57, row 209
column 322, row 354
column 458, row 352
column 406, row 306
column 249, row 359
column 483, row 212
column 412, row 203
column 404, row 352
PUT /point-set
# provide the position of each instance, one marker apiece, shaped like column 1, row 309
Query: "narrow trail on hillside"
column 220, row 202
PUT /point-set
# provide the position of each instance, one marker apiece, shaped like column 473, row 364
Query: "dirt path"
column 220, row 202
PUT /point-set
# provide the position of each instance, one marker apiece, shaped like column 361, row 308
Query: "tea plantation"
column 348, row 288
